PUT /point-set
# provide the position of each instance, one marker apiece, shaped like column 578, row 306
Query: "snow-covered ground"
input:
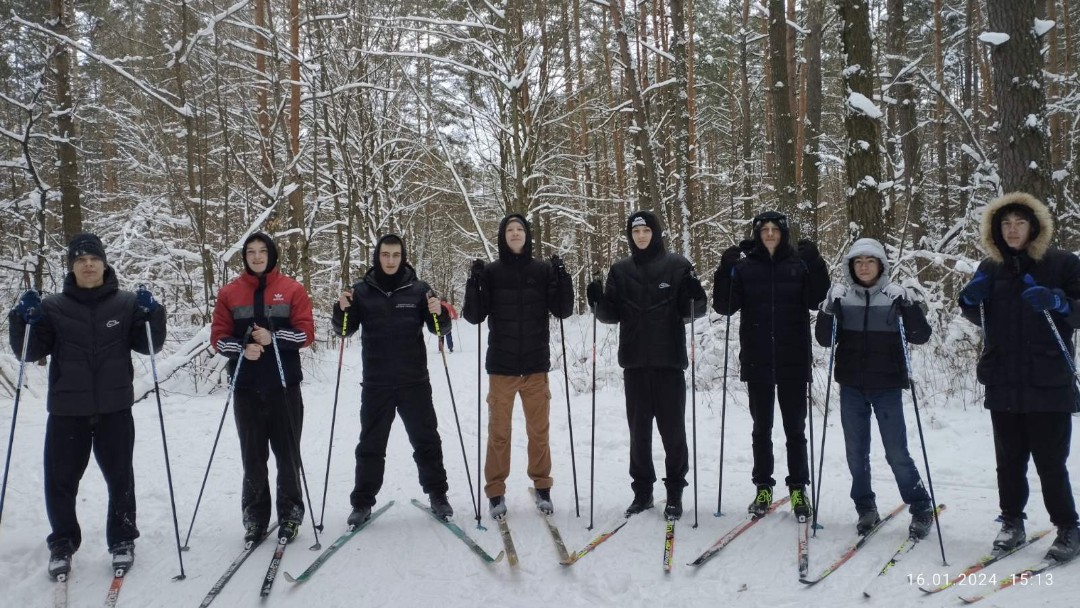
column 406, row 559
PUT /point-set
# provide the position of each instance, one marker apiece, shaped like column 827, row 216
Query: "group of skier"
column 1025, row 296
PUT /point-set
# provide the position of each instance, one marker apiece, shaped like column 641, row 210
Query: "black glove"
column 691, row 286
column 29, row 307
column 476, row 271
column 728, row 259
column 594, row 291
column 558, row 266
column 145, row 299
column 808, row 251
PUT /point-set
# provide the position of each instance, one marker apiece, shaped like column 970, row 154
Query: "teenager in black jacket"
column 89, row 330
column 392, row 306
column 775, row 286
column 650, row 295
column 1029, row 294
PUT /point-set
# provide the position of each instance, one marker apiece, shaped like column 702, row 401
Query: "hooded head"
column 256, row 257
column 645, row 219
column 776, row 219
column 390, row 245
column 867, row 248
column 1025, row 206
column 85, row 243
column 517, row 222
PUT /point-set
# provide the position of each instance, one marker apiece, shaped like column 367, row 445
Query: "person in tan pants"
column 515, row 294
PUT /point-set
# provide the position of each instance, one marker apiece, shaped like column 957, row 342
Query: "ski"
column 337, row 544
column 669, row 544
column 249, row 548
column 803, row 545
column 508, row 541
column 904, row 548
column 556, row 538
column 851, row 551
column 458, row 532
column 60, row 591
column 114, row 587
column 275, row 563
column 734, row 533
column 983, row 562
column 594, row 543
column 1021, row 577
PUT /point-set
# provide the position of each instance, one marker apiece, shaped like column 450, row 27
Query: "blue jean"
column 888, row 407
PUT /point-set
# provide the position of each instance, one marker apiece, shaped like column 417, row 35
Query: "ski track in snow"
column 406, row 559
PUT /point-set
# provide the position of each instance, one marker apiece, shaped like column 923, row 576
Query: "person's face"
column 515, row 237
column 257, row 256
column 89, row 271
column 642, row 236
column 390, row 258
column 867, row 268
column 770, row 236
column 1016, row 230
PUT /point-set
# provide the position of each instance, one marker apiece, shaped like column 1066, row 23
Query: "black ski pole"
column 164, row 442
column 333, row 418
column 592, row 441
column 723, row 407
column 922, row 438
column 14, row 414
column 294, row 437
column 453, row 404
column 569, row 417
column 825, row 424
column 213, row 450
column 693, row 403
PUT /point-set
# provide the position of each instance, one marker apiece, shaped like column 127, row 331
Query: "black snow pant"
column 263, row 425
column 792, row 398
column 661, row 394
column 378, row 406
column 68, row 443
column 1045, row 438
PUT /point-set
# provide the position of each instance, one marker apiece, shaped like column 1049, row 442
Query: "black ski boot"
column 762, row 501
column 440, row 506
column 642, row 501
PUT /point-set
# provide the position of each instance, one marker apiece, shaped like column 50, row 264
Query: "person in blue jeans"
column 871, row 370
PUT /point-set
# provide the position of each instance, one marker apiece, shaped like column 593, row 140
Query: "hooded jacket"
column 869, row 354
column 89, row 334
column 515, row 294
column 271, row 301
column 644, row 295
column 1022, row 365
column 775, row 294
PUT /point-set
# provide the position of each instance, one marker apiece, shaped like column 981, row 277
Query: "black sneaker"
column 289, row 530
column 1066, row 545
column 358, row 516
column 543, row 501
column 800, row 502
column 1012, row 534
column 497, row 507
column 440, row 506
column 123, row 555
column 60, row 559
column 867, row 521
column 641, row 502
column 921, row 522
column 762, row 501
column 673, row 508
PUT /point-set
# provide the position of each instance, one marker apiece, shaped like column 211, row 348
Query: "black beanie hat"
column 85, row 243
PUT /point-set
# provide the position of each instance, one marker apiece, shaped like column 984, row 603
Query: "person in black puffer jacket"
column 516, row 293
column 392, row 306
column 1030, row 294
column 775, row 286
column 89, row 331
column 650, row 295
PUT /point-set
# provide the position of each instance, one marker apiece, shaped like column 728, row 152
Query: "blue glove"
column 29, row 307
column 977, row 291
column 145, row 299
column 1043, row 298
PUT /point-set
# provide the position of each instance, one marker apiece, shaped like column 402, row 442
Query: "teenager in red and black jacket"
column 265, row 317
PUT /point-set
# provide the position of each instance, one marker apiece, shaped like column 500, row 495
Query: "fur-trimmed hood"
column 990, row 226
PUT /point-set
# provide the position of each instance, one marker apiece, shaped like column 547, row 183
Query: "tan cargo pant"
column 535, row 403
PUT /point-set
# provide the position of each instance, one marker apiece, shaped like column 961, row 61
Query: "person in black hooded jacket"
column 515, row 294
column 1029, row 295
column 89, row 331
column 392, row 306
column 775, row 286
column 650, row 295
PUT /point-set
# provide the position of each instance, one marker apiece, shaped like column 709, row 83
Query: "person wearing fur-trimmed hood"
column 1027, row 291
